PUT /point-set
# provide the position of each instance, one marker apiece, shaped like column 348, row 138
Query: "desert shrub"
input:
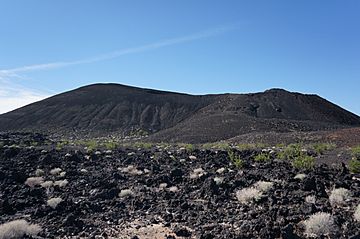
column 220, row 170
column 357, row 213
column 132, row 170
column 354, row 164
column 291, row 152
column 162, row 186
column 111, row 145
column 219, row 145
column 338, row 196
column 61, row 183
column 319, row 224
column 18, row 229
column 235, row 159
column 60, row 145
column 262, row 157
column 310, row 199
column 304, row 162
column 126, row 193
column 321, row 148
column 355, row 151
column 39, row 172
column 218, row 180
column 189, row 147
column 47, row 184
column 263, row 186
column 197, row 173
column 54, row 202
column 33, row 181
column 173, row 189
column 55, row 171
column 143, row 145
column 247, row 195
column 254, row 192
column 300, row 176
column 243, row 147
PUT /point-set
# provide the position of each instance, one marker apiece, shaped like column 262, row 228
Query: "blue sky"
column 197, row 47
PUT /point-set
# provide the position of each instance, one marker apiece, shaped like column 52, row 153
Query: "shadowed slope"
column 117, row 109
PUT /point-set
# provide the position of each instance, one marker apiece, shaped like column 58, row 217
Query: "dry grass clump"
column 132, row 170
column 18, row 229
column 126, row 193
column 197, row 173
column 300, row 176
column 319, row 224
column 47, row 184
column 218, row 180
column 174, row 189
column 247, row 195
column 263, row 186
column 39, row 172
column 311, row 199
column 61, row 183
column 53, row 202
column 357, row 213
column 255, row 192
column 33, row 181
column 338, row 196
column 55, row 171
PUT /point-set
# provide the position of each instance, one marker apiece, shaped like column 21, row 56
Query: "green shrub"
column 262, row 157
column 291, row 152
column 189, row 147
column 321, row 148
column 61, row 145
column 354, row 165
column 235, row 159
column 143, row 145
column 355, row 151
column 110, row 145
column 304, row 162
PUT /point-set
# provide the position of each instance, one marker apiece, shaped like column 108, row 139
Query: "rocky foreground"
column 170, row 193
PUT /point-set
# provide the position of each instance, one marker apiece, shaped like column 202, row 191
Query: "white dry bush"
column 39, row 172
column 33, row 181
column 220, row 170
column 126, row 193
column 83, row 170
column 192, row 157
column 338, row 196
column 47, row 184
column 18, row 229
column 132, row 170
column 162, row 186
column 300, row 176
column 357, row 213
column 311, row 199
column 263, row 186
column 254, row 192
column 174, row 189
column 319, row 224
column 53, row 202
column 197, row 173
column 55, row 171
column 247, row 195
column 61, row 183
column 218, row 180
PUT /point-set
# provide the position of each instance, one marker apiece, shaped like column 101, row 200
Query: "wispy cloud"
column 118, row 53
column 13, row 96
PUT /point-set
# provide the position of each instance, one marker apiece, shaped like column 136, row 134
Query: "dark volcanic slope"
column 112, row 108
column 105, row 107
